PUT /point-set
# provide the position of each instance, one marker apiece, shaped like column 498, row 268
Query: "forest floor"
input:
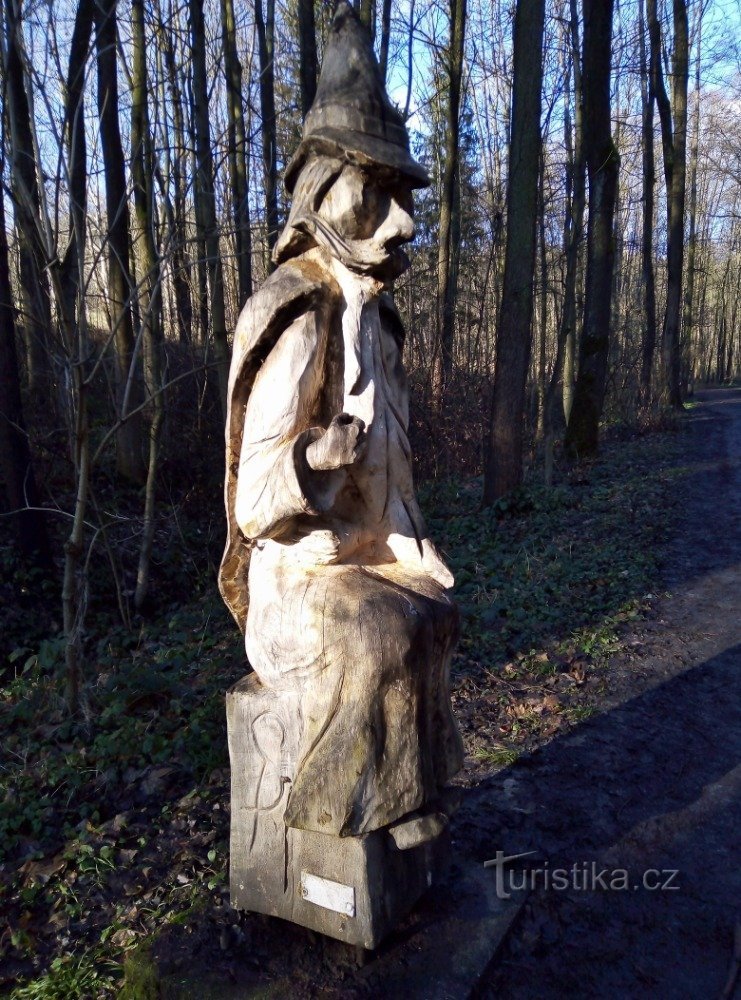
column 600, row 710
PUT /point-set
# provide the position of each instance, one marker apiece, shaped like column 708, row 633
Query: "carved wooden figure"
column 342, row 742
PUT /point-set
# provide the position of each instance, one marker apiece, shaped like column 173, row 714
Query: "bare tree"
column 574, row 217
column 648, row 103
column 265, row 25
column 449, row 219
column 16, row 467
column 689, row 292
column 150, row 290
column 129, row 439
column 603, row 161
column 673, row 116
column 76, row 142
column 503, row 467
column 176, row 167
column 237, row 139
column 307, row 51
column 34, row 286
column 205, row 195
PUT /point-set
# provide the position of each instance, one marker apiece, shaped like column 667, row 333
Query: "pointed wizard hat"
column 352, row 115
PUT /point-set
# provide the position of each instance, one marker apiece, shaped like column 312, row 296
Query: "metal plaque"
column 331, row 895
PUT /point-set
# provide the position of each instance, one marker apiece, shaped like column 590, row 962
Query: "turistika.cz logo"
column 581, row 876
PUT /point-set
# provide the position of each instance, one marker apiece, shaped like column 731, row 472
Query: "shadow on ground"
column 652, row 783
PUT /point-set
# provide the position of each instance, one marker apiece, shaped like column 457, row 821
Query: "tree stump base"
column 354, row 889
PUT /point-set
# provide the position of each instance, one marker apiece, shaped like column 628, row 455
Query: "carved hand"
column 342, row 443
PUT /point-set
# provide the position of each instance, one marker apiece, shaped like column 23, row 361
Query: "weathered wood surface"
column 384, row 873
column 329, row 568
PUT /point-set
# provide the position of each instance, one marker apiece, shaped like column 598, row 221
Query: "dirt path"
column 653, row 783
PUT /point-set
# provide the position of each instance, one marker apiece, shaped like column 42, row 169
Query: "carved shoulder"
column 293, row 288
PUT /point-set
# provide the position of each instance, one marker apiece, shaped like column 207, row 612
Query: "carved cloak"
column 368, row 646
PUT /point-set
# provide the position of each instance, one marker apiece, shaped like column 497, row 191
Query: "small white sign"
column 331, row 895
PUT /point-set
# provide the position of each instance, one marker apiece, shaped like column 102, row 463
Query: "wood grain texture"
column 267, row 858
column 329, row 568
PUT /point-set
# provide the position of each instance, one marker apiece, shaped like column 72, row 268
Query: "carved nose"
column 398, row 226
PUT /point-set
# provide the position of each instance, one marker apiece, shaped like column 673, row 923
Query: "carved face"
column 370, row 204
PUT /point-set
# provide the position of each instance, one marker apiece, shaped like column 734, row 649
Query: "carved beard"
column 361, row 256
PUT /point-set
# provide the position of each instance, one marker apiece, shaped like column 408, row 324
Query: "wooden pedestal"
column 355, row 889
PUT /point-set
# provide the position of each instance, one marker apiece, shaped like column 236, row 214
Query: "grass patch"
column 496, row 756
column 568, row 565
column 73, row 977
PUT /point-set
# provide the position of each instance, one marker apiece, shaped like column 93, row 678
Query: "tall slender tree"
column 265, row 26
column 648, row 104
column 503, row 466
column 205, row 196
column 603, row 163
column 33, row 275
column 129, row 440
column 237, row 146
column 150, row 291
column 673, row 117
column 16, row 467
column 181, row 267
column 449, row 220
column 307, row 53
column 689, row 290
column 574, row 217
column 564, row 365
column 72, row 282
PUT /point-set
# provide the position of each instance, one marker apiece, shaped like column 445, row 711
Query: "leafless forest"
column 577, row 264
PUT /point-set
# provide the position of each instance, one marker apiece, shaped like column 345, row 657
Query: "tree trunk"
column 582, row 433
column 34, row 285
column 383, row 58
column 689, row 294
column 265, row 25
column 574, row 223
column 572, row 234
column 237, row 143
column 542, row 305
column 672, row 352
column 16, row 468
column 503, row 466
column 181, row 266
column 449, row 223
column 307, row 51
column 674, row 143
column 74, row 601
column 129, row 438
column 72, row 267
column 206, row 200
column 150, row 292
column 648, row 100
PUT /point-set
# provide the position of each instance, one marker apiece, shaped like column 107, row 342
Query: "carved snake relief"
column 269, row 735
